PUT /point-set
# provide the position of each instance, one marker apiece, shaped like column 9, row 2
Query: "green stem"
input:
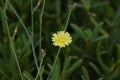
column 41, row 15
column 36, row 7
column 29, row 36
column 32, row 20
column 56, row 58
column 11, row 44
column 69, row 14
column 68, row 18
column 40, row 36
column 38, row 73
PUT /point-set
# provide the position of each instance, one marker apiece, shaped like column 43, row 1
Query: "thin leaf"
column 100, row 4
column 101, row 78
column 73, row 67
column 100, row 60
column 78, row 31
column 67, row 62
column 100, row 38
column 95, row 68
column 96, row 30
column 85, row 75
column 56, row 72
column 27, row 75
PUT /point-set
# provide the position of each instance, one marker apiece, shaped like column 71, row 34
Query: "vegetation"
column 28, row 51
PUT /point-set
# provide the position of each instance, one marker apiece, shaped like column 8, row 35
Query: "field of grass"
column 59, row 39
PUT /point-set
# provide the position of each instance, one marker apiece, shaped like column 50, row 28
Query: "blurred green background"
column 95, row 50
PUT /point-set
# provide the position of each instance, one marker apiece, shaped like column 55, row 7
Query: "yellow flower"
column 61, row 39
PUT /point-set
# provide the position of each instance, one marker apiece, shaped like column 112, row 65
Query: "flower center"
column 61, row 40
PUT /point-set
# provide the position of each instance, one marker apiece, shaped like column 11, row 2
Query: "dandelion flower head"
column 61, row 39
